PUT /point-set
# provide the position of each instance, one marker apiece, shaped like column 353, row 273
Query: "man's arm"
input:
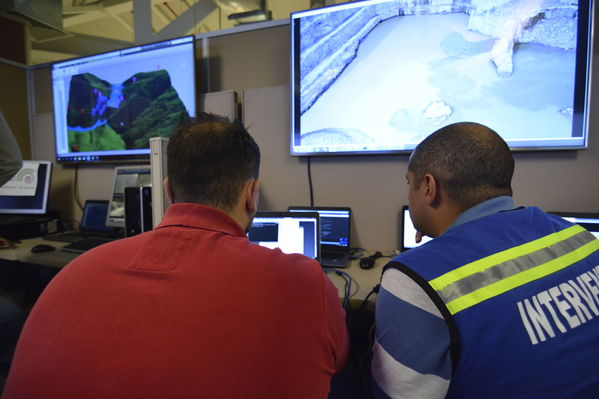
column 411, row 357
column 10, row 154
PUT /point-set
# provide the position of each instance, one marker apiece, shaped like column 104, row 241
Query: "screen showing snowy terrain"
column 379, row 76
column 108, row 106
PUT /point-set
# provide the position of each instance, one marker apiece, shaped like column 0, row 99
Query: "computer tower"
column 138, row 210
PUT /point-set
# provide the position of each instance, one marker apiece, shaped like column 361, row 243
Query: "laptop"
column 92, row 224
column 292, row 233
column 589, row 221
column 93, row 230
column 408, row 231
column 335, row 226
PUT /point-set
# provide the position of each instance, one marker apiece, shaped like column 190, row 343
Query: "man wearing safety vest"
column 502, row 303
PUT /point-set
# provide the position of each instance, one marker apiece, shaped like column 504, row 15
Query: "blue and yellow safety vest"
column 520, row 293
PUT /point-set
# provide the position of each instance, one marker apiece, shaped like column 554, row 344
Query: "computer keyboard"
column 85, row 244
column 75, row 236
column 63, row 237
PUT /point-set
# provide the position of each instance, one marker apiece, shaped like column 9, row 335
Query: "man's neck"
column 240, row 215
column 444, row 218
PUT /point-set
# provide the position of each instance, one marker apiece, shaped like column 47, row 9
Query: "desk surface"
column 22, row 253
column 362, row 283
column 363, row 280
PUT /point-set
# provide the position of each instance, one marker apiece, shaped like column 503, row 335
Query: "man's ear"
column 431, row 189
column 253, row 188
column 167, row 190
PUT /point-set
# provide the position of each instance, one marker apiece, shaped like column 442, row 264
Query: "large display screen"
column 379, row 76
column 108, row 106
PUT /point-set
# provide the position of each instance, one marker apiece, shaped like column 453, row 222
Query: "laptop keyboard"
column 334, row 259
column 85, row 244
column 72, row 237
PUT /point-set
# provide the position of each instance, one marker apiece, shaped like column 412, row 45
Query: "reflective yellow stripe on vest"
column 495, row 274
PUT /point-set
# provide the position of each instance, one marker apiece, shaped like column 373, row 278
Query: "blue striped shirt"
column 411, row 350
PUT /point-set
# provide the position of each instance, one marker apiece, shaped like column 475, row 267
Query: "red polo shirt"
column 191, row 309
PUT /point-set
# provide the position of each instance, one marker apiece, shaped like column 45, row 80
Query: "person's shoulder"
column 111, row 250
column 280, row 262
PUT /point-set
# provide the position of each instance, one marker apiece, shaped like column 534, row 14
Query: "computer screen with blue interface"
column 94, row 216
column 27, row 192
column 288, row 231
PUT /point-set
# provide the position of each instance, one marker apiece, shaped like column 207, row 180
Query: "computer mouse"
column 42, row 248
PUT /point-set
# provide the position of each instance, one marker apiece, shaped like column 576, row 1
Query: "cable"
column 356, row 253
column 374, row 290
column 310, row 181
column 75, row 190
column 368, row 262
column 347, row 291
column 347, row 287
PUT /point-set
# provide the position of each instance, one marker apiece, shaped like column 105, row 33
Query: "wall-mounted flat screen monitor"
column 27, row 192
column 378, row 76
column 107, row 106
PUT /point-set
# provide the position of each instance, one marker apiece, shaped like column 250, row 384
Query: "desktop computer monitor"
column 408, row 232
column 335, row 226
column 125, row 176
column 27, row 192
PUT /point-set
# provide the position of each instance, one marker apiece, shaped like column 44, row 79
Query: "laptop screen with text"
column 288, row 231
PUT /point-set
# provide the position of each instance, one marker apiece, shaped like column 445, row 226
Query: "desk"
column 22, row 253
column 362, row 284
column 363, row 280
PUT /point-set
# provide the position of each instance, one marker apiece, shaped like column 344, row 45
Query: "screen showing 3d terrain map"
column 108, row 106
column 380, row 76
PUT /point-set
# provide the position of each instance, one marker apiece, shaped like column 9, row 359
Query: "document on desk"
column 24, row 182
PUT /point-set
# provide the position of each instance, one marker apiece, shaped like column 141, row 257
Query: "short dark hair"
column 210, row 158
column 471, row 162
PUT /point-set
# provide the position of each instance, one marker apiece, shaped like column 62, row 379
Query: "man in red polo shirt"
column 191, row 309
